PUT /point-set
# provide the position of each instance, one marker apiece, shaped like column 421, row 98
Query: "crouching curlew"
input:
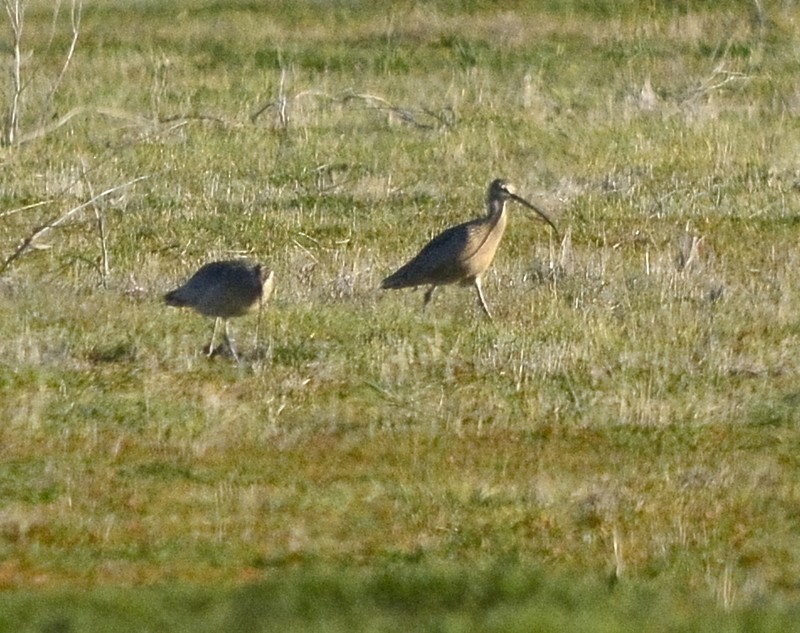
column 223, row 290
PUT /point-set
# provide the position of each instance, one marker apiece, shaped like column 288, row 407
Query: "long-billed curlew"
column 462, row 253
column 223, row 290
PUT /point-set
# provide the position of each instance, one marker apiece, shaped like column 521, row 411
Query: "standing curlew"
column 223, row 290
column 461, row 254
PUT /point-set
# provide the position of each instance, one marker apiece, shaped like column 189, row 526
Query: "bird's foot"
column 223, row 349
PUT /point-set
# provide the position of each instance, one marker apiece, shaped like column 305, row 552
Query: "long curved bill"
column 541, row 213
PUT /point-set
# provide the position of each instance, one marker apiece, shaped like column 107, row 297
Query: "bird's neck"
column 495, row 210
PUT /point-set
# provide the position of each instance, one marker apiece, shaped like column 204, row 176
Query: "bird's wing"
column 439, row 261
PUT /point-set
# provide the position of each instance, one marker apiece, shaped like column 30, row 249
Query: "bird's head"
column 501, row 191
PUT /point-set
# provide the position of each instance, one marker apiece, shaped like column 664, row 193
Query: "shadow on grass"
column 505, row 597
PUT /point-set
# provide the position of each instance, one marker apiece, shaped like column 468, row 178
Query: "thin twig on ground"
column 718, row 78
column 38, row 232
column 105, row 270
column 412, row 116
column 27, row 207
column 75, row 20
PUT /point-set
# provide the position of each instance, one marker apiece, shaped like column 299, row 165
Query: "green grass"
column 395, row 597
column 622, row 440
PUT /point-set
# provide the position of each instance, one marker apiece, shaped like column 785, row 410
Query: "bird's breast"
column 484, row 239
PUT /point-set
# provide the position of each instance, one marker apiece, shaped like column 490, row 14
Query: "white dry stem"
column 15, row 9
column 28, row 241
column 109, row 112
column 718, row 78
column 282, row 100
column 75, row 20
column 27, row 207
column 618, row 561
column 105, row 269
column 412, row 116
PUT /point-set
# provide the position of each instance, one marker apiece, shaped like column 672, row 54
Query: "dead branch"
column 718, row 78
column 38, row 232
column 15, row 9
column 185, row 118
column 412, row 116
column 105, row 268
column 52, row 127
column 25, row 208
column 75, row 19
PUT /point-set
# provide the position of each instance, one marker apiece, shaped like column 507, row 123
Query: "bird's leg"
column 428, row 295
column 213, row 337
column 482, row 300
column 258, row 323
column 229, row 341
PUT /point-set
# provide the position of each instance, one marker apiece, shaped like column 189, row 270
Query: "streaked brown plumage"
column 223, row 290
column 462, row 253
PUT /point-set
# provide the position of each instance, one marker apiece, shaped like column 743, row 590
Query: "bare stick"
column 15, row 10
column 54, row 24
column 33, row 205
column 105, row 270
column 133, row 119
column 713, row 81
column 407, row 115
column 109, row 112
column 282, row 100
column 75, row 18
column 26, row 243
column 379, row 103
column 101, row 228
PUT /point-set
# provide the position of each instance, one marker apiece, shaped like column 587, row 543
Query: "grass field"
column 619, row 448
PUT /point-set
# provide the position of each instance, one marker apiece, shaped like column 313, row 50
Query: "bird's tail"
column 175, row 299
column 395, row 280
